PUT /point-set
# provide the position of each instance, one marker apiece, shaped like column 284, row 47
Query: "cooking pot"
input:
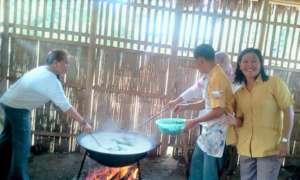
column 116, row 149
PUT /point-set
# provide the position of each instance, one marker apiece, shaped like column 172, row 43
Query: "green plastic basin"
column 172, row 126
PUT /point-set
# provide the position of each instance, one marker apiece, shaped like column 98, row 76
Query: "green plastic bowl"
column 173, row 126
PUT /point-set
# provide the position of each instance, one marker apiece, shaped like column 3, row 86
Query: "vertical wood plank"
column 146, row 33
column 21, row 16
column 199, row 13
column 293, row 35
column 258, row 24
column 44, row 17
column 286, row 37
column 298, row 44
column 67, row 23
column 193, row 27
column 279, row 39
column 127, row 25
column 250, row 25
column 37, row 15
column 91, row 56
column 81, row 9
column 74, row 18
column 206, row 21
column 29, row 14
column 154, row 25
column 268, row 26
column 243, row 27
column 273, row 38
column 264, row 23
column 222, row 23
column 162, row 22
column 132, row 29
column 60, row 7
column 107, row 10
column 119, row 24
column 228, row 32
column 89, row 14
column 214, row 21
column 113, row 14
column 53, row 12
column 169, row 38
column 5, row 41
column 15, row 15
column 178, row 18
column 235, row 32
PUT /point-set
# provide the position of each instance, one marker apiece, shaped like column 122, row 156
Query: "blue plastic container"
column 172, row 126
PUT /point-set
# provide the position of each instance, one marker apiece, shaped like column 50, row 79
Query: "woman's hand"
column 235, row 121
column 239, row 122
column 231, row 120
column 283, row 149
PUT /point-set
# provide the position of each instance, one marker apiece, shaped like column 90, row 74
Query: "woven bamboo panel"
column 23, row 57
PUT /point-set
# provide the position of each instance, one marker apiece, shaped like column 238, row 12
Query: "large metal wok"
column 115, row 149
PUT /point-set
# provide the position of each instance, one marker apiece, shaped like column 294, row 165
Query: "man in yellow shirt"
column 260, row 103
column 217, row 95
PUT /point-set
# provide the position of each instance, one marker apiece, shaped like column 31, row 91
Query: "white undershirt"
column 34, row 89
column 194, row 92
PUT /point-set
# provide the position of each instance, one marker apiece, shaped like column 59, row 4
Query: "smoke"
column 110, row 125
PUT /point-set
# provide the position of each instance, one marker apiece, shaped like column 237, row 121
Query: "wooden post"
column 5, row 39
column 91, row 57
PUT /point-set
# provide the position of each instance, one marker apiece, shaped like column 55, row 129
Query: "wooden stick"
column 153, row 117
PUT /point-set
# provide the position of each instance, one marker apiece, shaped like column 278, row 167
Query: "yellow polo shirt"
column 218, row 80
column 261, row 109
column 217, row 93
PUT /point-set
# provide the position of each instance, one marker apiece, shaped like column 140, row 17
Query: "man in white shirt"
column 32, row 90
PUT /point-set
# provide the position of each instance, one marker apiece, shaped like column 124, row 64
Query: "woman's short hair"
column 57, row 55
column 239, row 76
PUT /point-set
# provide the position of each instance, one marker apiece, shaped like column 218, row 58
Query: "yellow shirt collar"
column 257, row 82
column 213, row 70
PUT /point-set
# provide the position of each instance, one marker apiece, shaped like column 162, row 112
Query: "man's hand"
column 179, row 108
column 86, row 127
column 171, row 104
column 189, row 123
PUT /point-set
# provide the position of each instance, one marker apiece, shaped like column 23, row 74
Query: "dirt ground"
column 65, row 166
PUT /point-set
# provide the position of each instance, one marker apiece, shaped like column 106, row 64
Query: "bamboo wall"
column 131, row 57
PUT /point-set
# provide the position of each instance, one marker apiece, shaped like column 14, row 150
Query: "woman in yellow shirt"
column 265, row 107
